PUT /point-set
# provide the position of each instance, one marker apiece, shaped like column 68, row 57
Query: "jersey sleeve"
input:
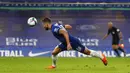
column 57, row 28
column 108, row 32
column 118, row 30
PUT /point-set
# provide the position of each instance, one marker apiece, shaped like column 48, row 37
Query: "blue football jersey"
column 55, row 30
column 75, row 43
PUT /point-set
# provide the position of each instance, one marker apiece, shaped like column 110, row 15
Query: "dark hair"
column 46, row 20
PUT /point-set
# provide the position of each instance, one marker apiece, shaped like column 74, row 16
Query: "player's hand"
column 69, row 47
column 121, row 45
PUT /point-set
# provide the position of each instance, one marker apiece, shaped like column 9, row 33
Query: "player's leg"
column 122, row 50
column 115, row 48
column 92, row 53
column 55, row 52
column 54, row 57
column 115, row 43
column 79, row 47
column 95, row 54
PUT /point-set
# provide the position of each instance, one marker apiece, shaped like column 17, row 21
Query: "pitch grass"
column 65, row 65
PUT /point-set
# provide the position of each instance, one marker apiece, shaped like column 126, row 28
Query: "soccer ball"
column 32, row 21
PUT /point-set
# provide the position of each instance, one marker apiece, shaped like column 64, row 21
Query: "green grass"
column 65, row 65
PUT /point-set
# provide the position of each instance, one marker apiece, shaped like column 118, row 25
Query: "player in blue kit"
column 68, row 42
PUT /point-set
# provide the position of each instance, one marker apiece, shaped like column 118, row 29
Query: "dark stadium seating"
column 65, row 0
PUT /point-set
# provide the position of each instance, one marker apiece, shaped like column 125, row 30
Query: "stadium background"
column 65, row 1
column 19, row 40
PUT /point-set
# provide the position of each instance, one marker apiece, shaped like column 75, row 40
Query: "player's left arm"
column 66, row 36
column 120, row 35
column 67, row 26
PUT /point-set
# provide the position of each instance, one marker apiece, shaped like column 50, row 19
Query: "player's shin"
column 96, row 54
column 54, row 58
column 100, row 55
column 122, row 50
column 118, row 54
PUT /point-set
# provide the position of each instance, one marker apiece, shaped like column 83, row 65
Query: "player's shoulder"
column 55, row 27
column 117, row 29
column 114, row 27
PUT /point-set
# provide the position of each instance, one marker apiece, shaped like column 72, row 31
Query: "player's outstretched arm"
column 66, row 36
column 105, row 36
column 67, row 26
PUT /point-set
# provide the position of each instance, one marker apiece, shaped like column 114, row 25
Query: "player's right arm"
column 67, row 26
column 106, row 35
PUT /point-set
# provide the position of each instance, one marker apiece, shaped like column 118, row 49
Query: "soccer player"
column 68, row 42
column 116, row 38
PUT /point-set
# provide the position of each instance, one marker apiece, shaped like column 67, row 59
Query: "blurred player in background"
column 116, row 38
column 68, row 42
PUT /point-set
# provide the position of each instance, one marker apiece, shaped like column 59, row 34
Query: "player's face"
column 46, row 26
column 109, row 26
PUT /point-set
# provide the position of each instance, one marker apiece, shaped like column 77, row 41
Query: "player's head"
column 110, row 25
column 46, row 23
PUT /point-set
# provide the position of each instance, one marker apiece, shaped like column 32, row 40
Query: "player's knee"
column 87, row 52
column 54, row 53
column 114, row 46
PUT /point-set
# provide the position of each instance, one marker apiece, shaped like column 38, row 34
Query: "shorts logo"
column 79, row 48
